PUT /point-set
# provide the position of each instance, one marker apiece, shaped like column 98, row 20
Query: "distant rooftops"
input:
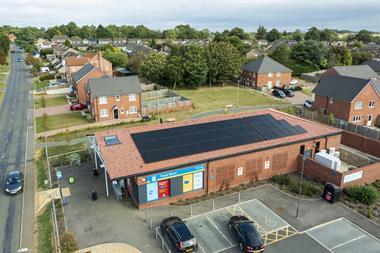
column 358, row 71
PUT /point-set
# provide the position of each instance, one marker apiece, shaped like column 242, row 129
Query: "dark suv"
column 287, row 92
column 246, row 234
column 178, row 234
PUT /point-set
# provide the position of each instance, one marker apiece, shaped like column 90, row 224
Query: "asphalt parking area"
column 211, row 228
column 342, row 236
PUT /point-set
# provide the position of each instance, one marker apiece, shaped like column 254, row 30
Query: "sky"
column 212, row 14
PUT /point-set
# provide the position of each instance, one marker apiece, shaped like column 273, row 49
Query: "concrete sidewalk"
column 53, row 110
column 110, row 247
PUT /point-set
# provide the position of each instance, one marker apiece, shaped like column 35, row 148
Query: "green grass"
column 3, row 79
column 49, row 102
column 307, row 91
column 45, row 230
column 59, row 121
column 38, row 84
column 65, row 149
column 41, row 174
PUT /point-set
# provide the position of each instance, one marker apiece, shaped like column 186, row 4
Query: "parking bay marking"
column 225, row 237
column 347, row 242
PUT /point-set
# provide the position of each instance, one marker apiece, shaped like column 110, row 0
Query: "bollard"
column 213, row 204
column 191, row 210
column 151, row 224
column 146, row 216
column 171, row 213
column 239, row 197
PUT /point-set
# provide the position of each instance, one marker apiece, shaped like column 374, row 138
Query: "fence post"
column 213, row 204
column 191, row 210
column 356, row 128
column 239, row 197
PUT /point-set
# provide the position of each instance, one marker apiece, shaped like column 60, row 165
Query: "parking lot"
column 213, row 233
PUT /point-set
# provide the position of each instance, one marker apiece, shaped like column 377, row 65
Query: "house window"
column 278, row 83
column 117, row 98
column 356, row 119
column 104, row 113
column 102, row 100
column 132, row 97
column 371, row 104
column 111, row 140
column 359, row 105
column 270, row 74
column 278, row 74
column 331, row 100
column 121, row 110
column 132, row 109
column 269, row 84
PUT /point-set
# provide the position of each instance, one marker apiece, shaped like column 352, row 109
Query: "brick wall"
column 263, row 79
column 361, row 143
column 340, row 109
column 80, row 85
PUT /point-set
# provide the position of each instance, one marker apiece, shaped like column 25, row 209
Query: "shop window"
column 302, row 150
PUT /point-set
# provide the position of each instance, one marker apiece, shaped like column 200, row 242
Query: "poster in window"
column 266, row 164
column 151, row 191
column 187, row 183
column 198, row 180
column 240, row 171
column 163, row 188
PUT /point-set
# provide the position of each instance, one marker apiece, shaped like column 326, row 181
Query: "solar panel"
column 181, row 141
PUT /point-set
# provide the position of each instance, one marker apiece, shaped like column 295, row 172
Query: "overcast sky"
column 212, row 14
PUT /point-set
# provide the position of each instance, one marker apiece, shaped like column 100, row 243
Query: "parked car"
column 294, row 82
column 308, row 104
column 278, row 93
column 78, row 107
column 53, row 84
column 146, row 118
column 18, row 60
column 246, row 234
column 287, row 92
column 14, row 182
column 178, row 234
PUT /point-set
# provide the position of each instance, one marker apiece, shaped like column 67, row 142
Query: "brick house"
column 265, row 73
column 101, row 63
column 81, row 78
column 358, row 71
column 73, row 64
column 355, row 100
column 114, row 98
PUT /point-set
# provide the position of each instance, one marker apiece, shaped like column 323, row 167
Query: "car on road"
column 18, row 60
column 14, row 182
column 308, row 104
column 287, row 92
column 246, row 234
column 77, row 107
column 178, row 234
column 278, row 93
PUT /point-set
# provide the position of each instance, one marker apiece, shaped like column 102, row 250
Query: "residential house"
column 98, row 61
column 59, row 49
column 90, row 42
column 371, row 48
column 374, row 65
column 133, row 47
column 12, row 37
column 338, row 43
column 105, row 41
column 43, row 44
column 80, row 80
column 356, row 100
column 358, row 71
column 114, row 98
column 264, row 73
column 73, row 64
column 76, row 41
column 119, row 41
column 70, row 52
column 60, row 39
column 254, row 53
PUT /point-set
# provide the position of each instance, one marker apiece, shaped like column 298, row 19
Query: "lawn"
column 42, row 101
column 39, row 85
column 307, row 91
column 45, row 231
column 46, row 123
column 65, row 149
column 3, row 80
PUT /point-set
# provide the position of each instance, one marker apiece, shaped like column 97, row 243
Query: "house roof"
column 105, row 86
column 358, row 71
column 374, row 64
column 265, row 65
column 124, row 159
column 76, row 61
column 343, row 88
column 83, row 72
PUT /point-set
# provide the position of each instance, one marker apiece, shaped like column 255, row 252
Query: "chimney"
column 99, row 59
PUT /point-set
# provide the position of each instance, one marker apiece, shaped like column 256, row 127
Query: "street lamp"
column 237, row 95
column 300, row 189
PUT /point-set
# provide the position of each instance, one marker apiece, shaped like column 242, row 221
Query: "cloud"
column 212, row 14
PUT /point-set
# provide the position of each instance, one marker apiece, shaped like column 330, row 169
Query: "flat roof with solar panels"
column 140, row 150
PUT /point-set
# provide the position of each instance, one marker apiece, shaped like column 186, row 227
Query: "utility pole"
column 300, row 190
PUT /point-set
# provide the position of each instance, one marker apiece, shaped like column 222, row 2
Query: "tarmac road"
column 14, row 140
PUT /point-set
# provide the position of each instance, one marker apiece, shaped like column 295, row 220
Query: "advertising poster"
column 198, row 180
column 188, row 183
column 151, row 191
column 163, row 188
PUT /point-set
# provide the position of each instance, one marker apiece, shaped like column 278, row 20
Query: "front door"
column 369, row 121
column 115, row 113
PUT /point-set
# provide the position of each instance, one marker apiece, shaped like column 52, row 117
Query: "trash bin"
column 331, row 193
column 94, row 195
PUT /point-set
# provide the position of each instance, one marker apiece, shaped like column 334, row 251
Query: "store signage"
column 187, row 183
column 151, row 191
column 198, row 180
column 175, row 173
column 353, row 176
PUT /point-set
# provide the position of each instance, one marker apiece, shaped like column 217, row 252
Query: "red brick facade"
column 81, row 84
column 268, row 80
column 366, row 115
column 366, row 145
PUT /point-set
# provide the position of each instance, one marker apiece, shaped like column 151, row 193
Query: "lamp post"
column 300, row 189
column 237, row 95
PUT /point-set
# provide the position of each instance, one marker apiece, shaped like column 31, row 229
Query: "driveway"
column 60, row 109
column 298, row 99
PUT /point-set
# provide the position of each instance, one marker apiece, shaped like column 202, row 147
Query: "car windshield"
column 13, row 180
column 251, row 235
column 183, row 231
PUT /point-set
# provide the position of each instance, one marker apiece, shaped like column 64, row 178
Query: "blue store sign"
column 175, row 173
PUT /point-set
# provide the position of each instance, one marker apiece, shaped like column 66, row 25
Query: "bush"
column 68, row 243
column 364, row 194
column 46, row 77
column 281, row 179
column 298, row 69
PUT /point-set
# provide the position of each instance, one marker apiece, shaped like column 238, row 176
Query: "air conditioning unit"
column 331, row 151
column 328, row 160
column 337, row 154
column 322, row 151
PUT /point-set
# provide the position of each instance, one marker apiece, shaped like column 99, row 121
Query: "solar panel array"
column 181, row 141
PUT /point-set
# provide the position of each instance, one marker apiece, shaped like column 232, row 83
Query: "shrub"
column 68, row 243
column 364, row 194
column 281, row 179
column 46, row 77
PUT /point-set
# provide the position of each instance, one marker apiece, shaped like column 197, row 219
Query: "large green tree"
column 281, row 54
column 261, row 33
column 174, row 69
column 311, row 53
column 313, row 34
column 364, row 36
column 153, row 66
column 195, row 66
column 116, row 57
column 328, row 35
column 359, row 56
column 273, row 35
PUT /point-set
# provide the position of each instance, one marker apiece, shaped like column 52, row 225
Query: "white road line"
column 226, row 248
column 349, row 241
column 224, row 236
column 323, row 224
column 200, row 247
column 324, row 246
column 362, row 230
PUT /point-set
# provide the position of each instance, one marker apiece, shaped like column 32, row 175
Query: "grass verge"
column 45, row 230
column 43, row 102
column 46, row 123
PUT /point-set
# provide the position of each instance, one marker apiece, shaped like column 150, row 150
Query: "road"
column 16, row 148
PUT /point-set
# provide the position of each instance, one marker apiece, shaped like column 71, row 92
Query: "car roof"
column 251, row 234
column 14, row 173
column 182, row 230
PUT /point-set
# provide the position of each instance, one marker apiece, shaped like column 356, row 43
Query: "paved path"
column 111, row 247
column 16, row 152
column 60, row 109
column 298, row 99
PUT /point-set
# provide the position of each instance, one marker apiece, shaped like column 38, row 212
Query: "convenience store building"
column 163, row 163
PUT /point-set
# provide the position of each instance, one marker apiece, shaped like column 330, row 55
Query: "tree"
column 4, row 48
column 116, row 57
column 273, row 35
column 359, row 56
column 364, row 36
column 261, row 33
column 313, row 34
column 328, row 35
column 136, row 59
column 174, row 69
column 346, row 57
column 72, row 29
column 195, row 66
column 238, row 32
column 332, row 120
column 152, row 68
column 297, row 35
column 169, row 34
column 339, row 56
column 52, row 31
column 281, row 54
column 311, row 53
column 67, row 43
column 102, row 32
column 68, row 243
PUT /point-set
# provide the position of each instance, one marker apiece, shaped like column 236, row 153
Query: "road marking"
column 347, row 242
column 3, row 156
column 318, row 241
column 224, row 236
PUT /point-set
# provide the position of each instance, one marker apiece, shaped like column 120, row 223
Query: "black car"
column 14, row 182
column 278, row 93
column 246, row 234
column 146, row 118
column 287, row 92
column 178, row 234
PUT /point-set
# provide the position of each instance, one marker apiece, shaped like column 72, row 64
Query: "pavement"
column 110, row 247
column 298, row 99
column 53, row 110
column 16, row 152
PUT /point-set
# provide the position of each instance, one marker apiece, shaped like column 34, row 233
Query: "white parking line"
column 226, row 248
column 324, row 246
column 347, row 242
column 225, row 237
column 200, row 247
